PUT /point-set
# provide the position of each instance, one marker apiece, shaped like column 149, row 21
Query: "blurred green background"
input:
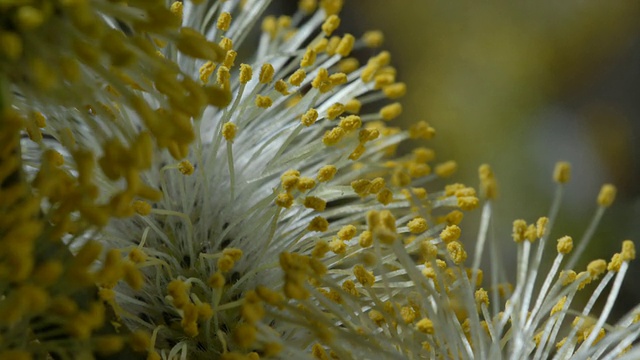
column 521, row 85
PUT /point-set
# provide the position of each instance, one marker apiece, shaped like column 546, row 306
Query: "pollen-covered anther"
column 347, row 232
column 628, row 252
column 456, row 252
column 230, row 58
column 361, row 187
column 229, row 131
column 305, row 184
column 450, row 233
column 559, row 306
column 364, row 277
column 206, row 70
column 284, row 200
column 373, row 38
column 266, row 73
column 142, row 207
column 309, row 58
column 562, row 172
column 297, row 77
column 348, row 65
column 353, row 106
column 519, row 229
column 333, row 136
column 425, row 326
column 541, row 226
column 567, row 277
column 315, row 203
column 326, row 173
column 330, row 24
column 482, row 297
column 565, row 245
column 319, row 224
column 607, row 195
column 446, row 169
column 216, row 280
column 282, row 87
column 224, row 21
column 351, row 123
column 225, row 263
column 338, row 246
column 467, row 202
column 186, row 167
column 335, row 110
column 345, row 45
column 417, row 225
column 391, row 111
column 309, row 118
column 596, row 268
column 263, row 101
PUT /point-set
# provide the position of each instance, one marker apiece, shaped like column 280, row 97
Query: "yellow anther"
column 338, row 246
column 450, row 233
column 142, row 207
column 225, row 263
column 400, row 178
column 335, row 110
column 421, row 130
column 347, row 232
column 364, row 277
column 305, row 184
column 320, row 249
column 365, row 239
column 315, row 203
column 353, row 106
column 326, row 173
column 383, row 79
column 468, row 203
column 230, row 58
column 185, row 167
column 361, row 186
column 309, row 58
column 297, row 77
column 270, row 26
column 309, row 118
column 137, row 255
column 263, row 101
column 194, row 44
column 417, row 225
column 391, row 111
column 541, row 226
column 346, row 45
column 269, row 296
column 234, row 253
column 224, row 21
column 320, row 45
column 206, row 70
column 607, row 195
column 530, row 233
column 246, row 72
column 423, row 155
column 425, row 326
column 350, row 123
column 223, row 76
column 596, row 268
column 176, row 8
column 558, row 306
column 226, row 44
column 216, row 280
column 330, row 24
column 348, row 65
column 318, row 223
column 385, row 196
column 565, row 245
column 338, row 79
column 333, row 136
column 284, row 200
column 446, row 169
column 456, row 252
column 373, row 39
column 398, row 90
column 615, row 263
column 628, row 252
column 229, row 131
column 482, row 297
column 132, row 275
column 567, row 277
column 377, row 317
column 331, row 7
column 266, row 73
column 562, row 172
column 282, row 87
column 519, row 229
column 367, row 135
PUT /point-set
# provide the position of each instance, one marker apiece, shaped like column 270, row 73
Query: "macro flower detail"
column 169, row 191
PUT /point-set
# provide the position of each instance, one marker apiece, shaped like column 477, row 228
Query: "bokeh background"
column 521, row 85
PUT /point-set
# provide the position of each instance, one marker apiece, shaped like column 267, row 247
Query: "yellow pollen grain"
column 450, row 233
column 229, row 131
column 330, row 24
column 347, row 232
column 309, row 118
column 246, row 72
column 565, row 245
column 596, row 268
column 558, row 306
column 284, row 200
column 297, row 77
column 417, row 225
column 607, row 195
column 319, row 224
column 185, row 167
column 425, row 326
column 373, row 38
column 391, row 111
column 562, row 172
column 315, row 203
column 345, row 45
column 224, row 21
column 326, row 173
column 263, row 101
column 266, row 73
column 309, row 58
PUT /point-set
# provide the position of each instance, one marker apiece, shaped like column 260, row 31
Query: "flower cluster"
column 165, row 197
